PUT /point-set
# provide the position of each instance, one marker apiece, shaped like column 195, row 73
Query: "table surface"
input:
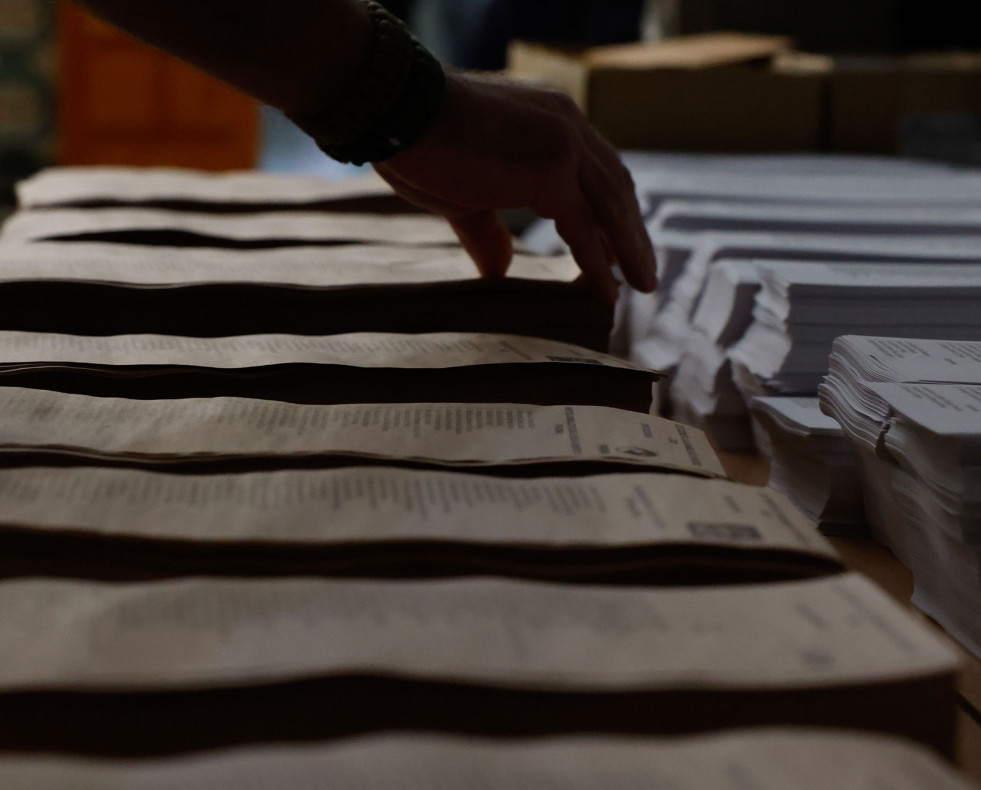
column 877, row 562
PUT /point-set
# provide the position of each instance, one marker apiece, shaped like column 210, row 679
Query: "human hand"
column 500, row 144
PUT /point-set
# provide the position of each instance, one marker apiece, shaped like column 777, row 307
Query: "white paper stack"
column 819, row 180
column 703, row 391
column 658, row 325
column 812, row 463
column 802, row 307
column 664, row 176
column 782, row 217
column 915, row 428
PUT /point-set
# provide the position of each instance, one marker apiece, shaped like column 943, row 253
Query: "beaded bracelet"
column 391, row 104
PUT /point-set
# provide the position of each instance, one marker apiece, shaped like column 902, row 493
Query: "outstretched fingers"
column 486, row 240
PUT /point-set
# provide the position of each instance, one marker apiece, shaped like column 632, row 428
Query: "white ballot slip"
column 147, row 226
column 189, row 431
column 767, row 759
column 66, row 186
column 647, row 528
column 471, row 656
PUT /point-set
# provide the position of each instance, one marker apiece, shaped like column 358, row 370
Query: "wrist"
column 388, row 106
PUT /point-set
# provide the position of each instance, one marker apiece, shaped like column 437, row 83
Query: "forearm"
column 296, row 55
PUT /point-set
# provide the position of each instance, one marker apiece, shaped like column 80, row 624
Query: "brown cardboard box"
column 886, row 105
column 712, row 92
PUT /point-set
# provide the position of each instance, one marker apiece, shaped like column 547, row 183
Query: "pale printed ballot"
column 202, row 429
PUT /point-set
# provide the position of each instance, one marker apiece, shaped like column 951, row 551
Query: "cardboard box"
column 712, row 92
column 916, row 105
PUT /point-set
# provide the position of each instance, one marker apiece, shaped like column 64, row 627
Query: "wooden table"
column 877, row 563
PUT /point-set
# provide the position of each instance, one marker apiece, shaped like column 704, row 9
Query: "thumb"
column 486, row 240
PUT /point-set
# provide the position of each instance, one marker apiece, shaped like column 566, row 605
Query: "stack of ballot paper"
column 363, row 367
column 765, row 326
column 196, row 190
column 227, row 433
column 913, row 424
column 264, row 487
column 702, row 391
column 764, row 759
column 193, row 664
column 807, row 179
column 812, row 463
column 783, row 217
column 810, row 181
column 259, row 230
column 648, row 528
column 802, row 307
column 658, row 325
column 105, row 289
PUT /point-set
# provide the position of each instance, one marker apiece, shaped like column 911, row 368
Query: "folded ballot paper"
column 802, row 307
column 224, row 433
column 197, row 190
column 363, row 367
column 170, row 666
column 910, row 421
column 662, row 529
column 771, row 759
column 106, row 289
column 812, row 463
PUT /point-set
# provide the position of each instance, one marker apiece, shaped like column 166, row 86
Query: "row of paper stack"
column 909, row 411
column 277, row 500
column 764, row 261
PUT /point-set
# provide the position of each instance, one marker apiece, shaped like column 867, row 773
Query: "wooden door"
column 123, row 102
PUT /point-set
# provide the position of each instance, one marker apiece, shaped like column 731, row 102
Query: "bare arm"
column 495, row 144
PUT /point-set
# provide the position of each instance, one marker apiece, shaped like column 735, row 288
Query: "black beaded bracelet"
column 390, row 106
